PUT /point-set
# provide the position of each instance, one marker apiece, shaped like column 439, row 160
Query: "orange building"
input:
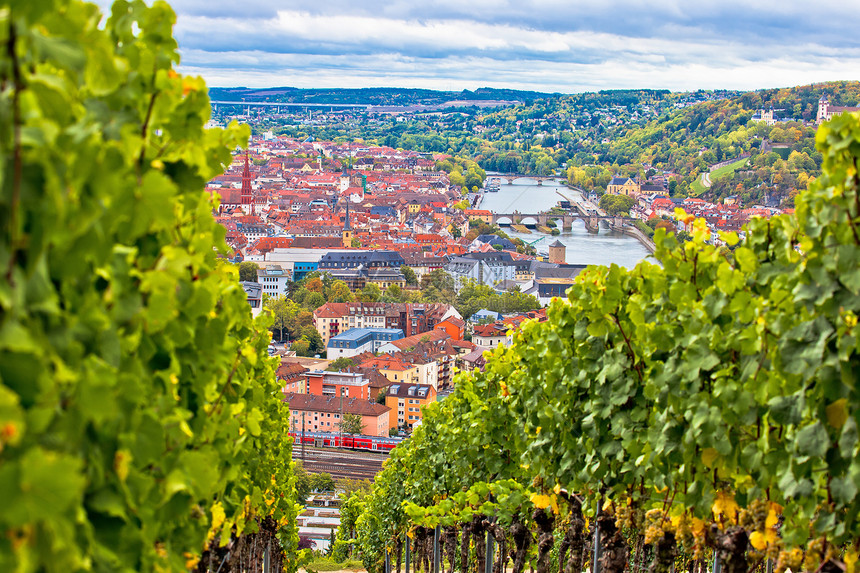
column 346, row 384
column 455, row 327
column 324, row 414
column 291, row 375
column 406, row 401
column 482, row 214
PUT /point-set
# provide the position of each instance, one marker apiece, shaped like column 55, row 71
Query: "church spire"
column 247, row 196
column 347, row 230
column 346, row 226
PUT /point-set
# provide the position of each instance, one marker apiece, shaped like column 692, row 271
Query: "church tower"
column 247, row 194
column 823, row 104
column 347, row 229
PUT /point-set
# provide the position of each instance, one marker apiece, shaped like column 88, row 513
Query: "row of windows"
column 297, row 416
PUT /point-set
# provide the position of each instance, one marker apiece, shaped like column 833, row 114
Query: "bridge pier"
column 592, row 224
column 567, row 223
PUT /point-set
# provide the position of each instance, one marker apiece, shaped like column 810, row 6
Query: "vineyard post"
column 717, row 565
column 408, row 553
column 436, row 554
column 387, row 561
column 595, row 555
column 769, row 566
column 267, row 558
column 488, row 564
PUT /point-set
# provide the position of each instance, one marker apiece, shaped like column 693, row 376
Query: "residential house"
column 407, row 402
column 274, row 280
column 357, row 340
column 345, row 384
column 312, row 413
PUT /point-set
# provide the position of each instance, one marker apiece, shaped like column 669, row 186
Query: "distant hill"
column 372, row 96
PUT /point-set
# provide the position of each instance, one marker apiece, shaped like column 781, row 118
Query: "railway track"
column 341, row 464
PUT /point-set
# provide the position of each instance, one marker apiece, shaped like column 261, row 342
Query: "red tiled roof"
column 311, row 402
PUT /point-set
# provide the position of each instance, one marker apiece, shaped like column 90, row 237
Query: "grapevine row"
column 704, row 405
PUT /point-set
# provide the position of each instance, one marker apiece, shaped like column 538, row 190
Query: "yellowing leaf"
column 757, row 540
column 772, row 519
column 731, row 239
column 850, row 560
column 725, row 507
column 709, row 456
column 121, row 461
column 837, row 413
column 540, row 500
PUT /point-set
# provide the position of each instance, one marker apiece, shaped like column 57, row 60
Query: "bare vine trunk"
column 544, row 522
column 612, row 544
column 664, row 554
column 450, row 543
column 731, row 546
column 465, row 541
column 522, row 540
column 501, row 539
column 425, row 543
column 576, row 539
column 244, row 552
column 479, row 530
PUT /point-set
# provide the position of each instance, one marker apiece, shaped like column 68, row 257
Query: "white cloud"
column 545, row 45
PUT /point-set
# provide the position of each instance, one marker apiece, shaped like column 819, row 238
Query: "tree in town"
column 283, row 312
column 340, row 364
column 340, row 292
column 409, row 274
column 370, row 293
column 314, row 340
column 616, row 204
column 248, row 271
column 351, row 424
column 393, row 293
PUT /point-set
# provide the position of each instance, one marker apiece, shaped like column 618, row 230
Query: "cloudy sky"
column 545, row 45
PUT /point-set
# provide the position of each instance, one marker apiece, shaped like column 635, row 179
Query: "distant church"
column 827, row 111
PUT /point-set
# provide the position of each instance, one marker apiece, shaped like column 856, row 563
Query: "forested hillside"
column 594, row 136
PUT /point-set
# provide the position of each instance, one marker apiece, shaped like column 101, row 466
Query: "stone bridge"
column 511, row 177
column 566, row 220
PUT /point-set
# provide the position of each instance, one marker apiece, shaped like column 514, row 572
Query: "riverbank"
column 631, row 231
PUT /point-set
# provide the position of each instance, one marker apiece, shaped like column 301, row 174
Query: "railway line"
column 341, row 463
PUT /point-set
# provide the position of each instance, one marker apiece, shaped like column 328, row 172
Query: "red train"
column 327, row 439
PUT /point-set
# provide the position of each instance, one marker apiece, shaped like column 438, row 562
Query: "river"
column 583, row 248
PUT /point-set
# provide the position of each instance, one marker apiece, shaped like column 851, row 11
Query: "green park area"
column 698, row 187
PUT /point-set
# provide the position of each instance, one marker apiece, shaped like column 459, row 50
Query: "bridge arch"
column 529, row 221
column 504, row 221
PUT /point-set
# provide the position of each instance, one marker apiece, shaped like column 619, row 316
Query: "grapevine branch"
column 145, row 128
column 856, row 180
column 637, row 365
column 226, row 384
column 17, row 164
